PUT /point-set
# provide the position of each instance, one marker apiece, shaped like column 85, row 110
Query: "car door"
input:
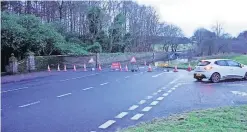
column 236, row 70
column 223, row 68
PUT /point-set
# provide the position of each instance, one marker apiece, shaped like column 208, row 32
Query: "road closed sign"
column 91, row 60
column 133, row 60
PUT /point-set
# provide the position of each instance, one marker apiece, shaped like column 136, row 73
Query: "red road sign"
column 115, row 65
column 133, row 60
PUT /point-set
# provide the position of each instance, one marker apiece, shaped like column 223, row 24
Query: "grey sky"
column 191, row 14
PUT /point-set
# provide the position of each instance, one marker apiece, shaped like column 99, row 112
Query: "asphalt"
column 108, row 101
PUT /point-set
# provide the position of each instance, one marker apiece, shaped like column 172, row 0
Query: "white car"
column 219, row 69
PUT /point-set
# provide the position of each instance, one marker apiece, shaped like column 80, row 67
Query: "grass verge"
column 224, row 119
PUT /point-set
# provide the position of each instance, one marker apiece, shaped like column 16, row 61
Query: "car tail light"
column 208, row 67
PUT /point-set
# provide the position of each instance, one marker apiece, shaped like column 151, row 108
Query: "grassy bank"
column 240, row 58
column 227, row 119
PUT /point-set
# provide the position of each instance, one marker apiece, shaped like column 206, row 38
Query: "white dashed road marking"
column 154, row 103
column 160, row 98
column 159, row 91
column 239, row 93
column 142, row 102
column 14, row 90
column 87, row 88
column 29, row 104
column 155, row 93
column 133, row 107
column 136, row 117
column 173, row 88
column 127, row 76
column 107, row 124
column 64, row 95
column 104, row 83
column 149, row 97
column 158, row 75
column 165, row 94
column 121, row 115
column 146, row 109
column 169, row 91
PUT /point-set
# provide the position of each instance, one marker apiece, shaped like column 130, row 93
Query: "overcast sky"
column 191, row 14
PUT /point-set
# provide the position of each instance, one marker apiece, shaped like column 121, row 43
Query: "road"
column 108, row 101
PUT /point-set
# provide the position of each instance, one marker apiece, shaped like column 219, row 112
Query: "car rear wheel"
column 215, row 78
column 245, row 77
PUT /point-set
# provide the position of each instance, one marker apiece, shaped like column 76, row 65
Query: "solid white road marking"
column 127, row 76
column 142, row 102
column 160, row 98
column 165, row 94
column 64, row 95
column 87, row 88
column 159, row 91
column 133, row 107
column 136, row 117
column 121, row 115
column 13, row 90
column 29, row 104
column 155, row 93
column 146, row 109
column 104, row 83
column 107, row 124
column 154, row 103
column 149, row 97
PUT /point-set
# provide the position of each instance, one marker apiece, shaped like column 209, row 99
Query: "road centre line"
column 64, row 95
column 158, row 74
column 104, row 83
column 169, row 91
column 107, row 124
column 154, row 103
column 14, row 90
column 159, row 91
column 149, row 97
column 160, row 98
column 142, row 102
column 136, row 117
column 155, row 93
column 87, row 88
column 121, row 115
column 29, row 104
column 146, row 109
column 173, row 88
column 165, row 94
column 133, row 107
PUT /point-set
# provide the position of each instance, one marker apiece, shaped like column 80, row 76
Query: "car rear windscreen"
column 203, row 63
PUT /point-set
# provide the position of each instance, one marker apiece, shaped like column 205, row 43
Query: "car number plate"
column 198, row 74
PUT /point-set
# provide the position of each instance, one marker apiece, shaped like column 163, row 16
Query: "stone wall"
column 105, row 59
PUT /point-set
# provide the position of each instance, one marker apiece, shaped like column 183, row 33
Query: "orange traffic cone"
column 149, row 68
column 189, row 68
column 84, row 67
column 58, row 68
column 100, row 69
column 175, row 69
column 74, row 68
column 65, row 69
column 120, row 67
column 126, row 68
column 48, row 68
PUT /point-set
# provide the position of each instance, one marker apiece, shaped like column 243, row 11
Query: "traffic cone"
column 189, row 68
column 65, row 69
column 145, row 63
column 84, row 67
column 48, row 68
column 100, row 69
column 74, row 68
column 58, row 68
column 175, row 69
column 120, row 67
column 126, row 68
column 149, row 68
